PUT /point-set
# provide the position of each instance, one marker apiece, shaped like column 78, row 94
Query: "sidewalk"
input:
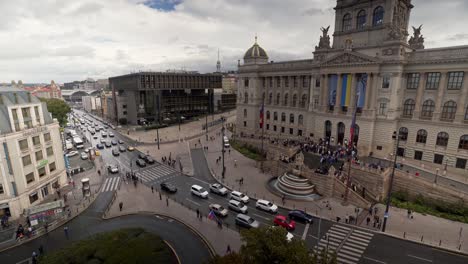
column 141, row 199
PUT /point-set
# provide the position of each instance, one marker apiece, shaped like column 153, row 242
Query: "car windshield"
column 250, row 220
column 269, row 204
column 220, row 208
column 241, row 205
column 241, row 195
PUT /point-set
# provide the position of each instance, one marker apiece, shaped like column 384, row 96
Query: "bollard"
column 459, row 247
column 422, row 237
column 404, row 234
column 440, row 242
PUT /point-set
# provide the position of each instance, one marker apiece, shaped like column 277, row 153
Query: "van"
column 199, row 191
column 237, row 206
column 235, row 195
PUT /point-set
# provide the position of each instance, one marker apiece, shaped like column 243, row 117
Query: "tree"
column 269, row 245
column 58, row 108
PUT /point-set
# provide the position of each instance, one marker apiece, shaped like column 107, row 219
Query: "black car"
column 142, row 156
column 122, row 148
column 166, row 186
column 108, row 144
column 114, row 142
column 141, row 163
column 121, row 141
column 300, row 215
column 149, row 160
column 100, row 146
column 115, row 152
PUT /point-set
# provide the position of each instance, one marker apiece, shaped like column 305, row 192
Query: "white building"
column 32, row 163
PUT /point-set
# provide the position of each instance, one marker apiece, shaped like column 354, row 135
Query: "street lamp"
column 437, row 174
column 396, row 136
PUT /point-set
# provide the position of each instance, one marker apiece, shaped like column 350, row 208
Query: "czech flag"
column 211, row 215
column 262, row 110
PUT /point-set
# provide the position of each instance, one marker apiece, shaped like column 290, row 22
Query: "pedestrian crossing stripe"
column 155, row 173
column 110, row 184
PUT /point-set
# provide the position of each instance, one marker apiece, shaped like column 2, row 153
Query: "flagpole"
column 263, row 130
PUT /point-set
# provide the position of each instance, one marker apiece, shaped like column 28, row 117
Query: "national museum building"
column 374, row 68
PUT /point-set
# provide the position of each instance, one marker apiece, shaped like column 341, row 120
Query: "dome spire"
column 255, row 38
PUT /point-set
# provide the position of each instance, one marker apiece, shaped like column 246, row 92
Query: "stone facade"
column 373, row 70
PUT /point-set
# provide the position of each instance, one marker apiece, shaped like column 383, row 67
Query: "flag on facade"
column 262, row 110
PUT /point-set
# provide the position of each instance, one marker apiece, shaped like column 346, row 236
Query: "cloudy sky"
column 66, row 40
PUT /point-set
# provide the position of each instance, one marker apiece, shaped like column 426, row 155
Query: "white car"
column 72, row 153
column 84, row 156
column 238, row 206
column 218, row 189
column 199, row 191
column 111, row 134
column 218, row 209
column 266, row 206
column 238, row 196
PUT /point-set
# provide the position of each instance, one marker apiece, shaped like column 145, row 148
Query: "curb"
column 194, row 230
column 173, row 251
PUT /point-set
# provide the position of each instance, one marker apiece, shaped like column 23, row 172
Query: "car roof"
column 236, row 192
column 280, row 217
column 196, row 186
column 243, row 216
column 263, row 201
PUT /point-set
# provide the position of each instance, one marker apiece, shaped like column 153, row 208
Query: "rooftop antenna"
column 218, row 64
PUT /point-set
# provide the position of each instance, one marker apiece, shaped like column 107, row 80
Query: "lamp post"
column 389, row 194
column 222, row 145
column 436, row 175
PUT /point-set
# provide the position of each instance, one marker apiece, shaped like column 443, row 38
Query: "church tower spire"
column 218, row 64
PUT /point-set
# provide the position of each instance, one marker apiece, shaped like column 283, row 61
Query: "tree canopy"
column 58, row 108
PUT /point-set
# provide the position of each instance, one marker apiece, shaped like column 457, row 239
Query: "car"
column 120, row 141
column 103, row 134
column 103, row 140
column 87, row 149
column 149, row 160
column 283, row 221
column 113, row 169
column 237, row 206
column 141, row 156
column 235, row 195
column 199, row 191
column 84, row 155
column 115, row 152
column 246, row 221
column 167, row 186
column 218, row 189
column 122, row 148
column 111, row 134
column 100, row 146
column 114, row 142
column 95, row 136
column 108, row 144
column 140, row 163
column 130, row 148
column 301, row 216
column 218, row 209
column 266, row 206
column 72, row 153
column 106, row 127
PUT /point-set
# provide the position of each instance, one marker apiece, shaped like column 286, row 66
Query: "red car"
column 283, row 221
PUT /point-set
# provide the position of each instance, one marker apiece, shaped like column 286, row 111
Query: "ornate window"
column 286, row 81
column 412, row 81
column 286, row 98
column 270, row 80
column 294, row 101
column 268, row 115
column 347, row 22
column 275, row 116
column 383, row 108
column 278, row 82
column 449, row 110
column 283, row 117
column 328, row 129
column 340, row 133
column 433, row 79
column 294, row 81
column 442, row 139
column 361, row 19
column 455, row 80
column 246, row 97
column 378, row 16
column 300, row 120
column 246, row 82
column 304, row 101
column 428, row 108
column 270, row 98
column 291, row 118
column 385, row 82
column 408, row 108
column 463, row 142
column 421, row 136
column 305, row 81
column 278, row 96
column 403, row 133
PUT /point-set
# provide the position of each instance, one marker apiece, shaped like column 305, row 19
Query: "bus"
column 78, row 143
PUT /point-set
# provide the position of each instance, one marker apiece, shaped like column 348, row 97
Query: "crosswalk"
column 157, row 173
column 349, row 244
column 111, row 184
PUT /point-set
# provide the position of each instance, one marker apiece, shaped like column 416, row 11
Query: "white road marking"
column 268, row 219
column 306, row 229
column 378, row 261
column 192, row 201
column 428, row 260
column 201, row 181
column 159, row 217
column 313, row 236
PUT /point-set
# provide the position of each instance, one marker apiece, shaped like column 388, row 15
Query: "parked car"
column 266, row 206
column 122, row 148
column 87, row 149
column 218, row 209
column 111, row 134
column 149, row 160
column 246, row 221
column 113, row 169
column 130, row 148
column 115, row 152
column 84, row 155
column 114, row 142
column 103, row 134
column 199, row 191
column 95, row 136
column 142, row 156
column 108, row 144
column 283, row 221
column 300, row 215
column 167, row 186
column 235, row 195
column 121, row 141
column 140, row 163
column 237, row 206
column 103, row 140
column 218, row 189
column 72, row 153
column 100, row 146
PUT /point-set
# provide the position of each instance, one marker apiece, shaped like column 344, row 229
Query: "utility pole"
column 222, row 145
column 389, row 194
column 262, row 116
column 206, row 126
column 157, row 135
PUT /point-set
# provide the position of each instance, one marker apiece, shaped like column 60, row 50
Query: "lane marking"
column 312, row 236
column 304, row 235
column 416, row 257
column 371, row 259
column 268, row 219
column 192, row 201
column 201, row 181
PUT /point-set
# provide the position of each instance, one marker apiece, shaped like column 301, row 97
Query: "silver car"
column 218, row 189
column 246, row 221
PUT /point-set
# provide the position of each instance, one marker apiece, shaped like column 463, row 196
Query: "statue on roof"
column 324, row 42
column 417, row 40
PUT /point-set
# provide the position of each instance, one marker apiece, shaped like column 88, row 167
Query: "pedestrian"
column 160, row 196
column 228, row 250
column 198, row 213
column 167, row 201
column 34, row 257
column 235, row 163
column 152, row 189
column 65, row 230
column 46, row 227
column 229, row 151
column 120, row 206
column 99, row 172
column 376, row 210
column 409, row 213
column 370, row 210
column 338, row 219
column 347, row 219
column 368, row 220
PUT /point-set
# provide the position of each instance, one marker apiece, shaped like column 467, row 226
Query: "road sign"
column 385, row 215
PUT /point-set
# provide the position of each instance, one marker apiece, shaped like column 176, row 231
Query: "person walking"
column 235, row 163
column 65, row 230
column 152, row 189
column 228, row 250
column 34, row 257
column 120, row 206
column 198, row 213
column 368, row 220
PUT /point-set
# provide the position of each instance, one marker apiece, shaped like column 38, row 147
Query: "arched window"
column 421, row 136
column 291, row 118
column 245, row 113
column 304, row 101
column 442, row 139
column 428, row 108
column 463, row 142
column 449, row 110
column 270, row 98
column 300, row 120
column 283, row 117
column 275, row 116
column 294, row 102
column 340, row 133
column 361, row 19
column 268, row 115
column 278, row 96
column 286, row 98
column 356, row 134
column 378, row 16
column 246, row 98
column 408, row 107
column 328, row 129
column 403, row 133
column 347, row 22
